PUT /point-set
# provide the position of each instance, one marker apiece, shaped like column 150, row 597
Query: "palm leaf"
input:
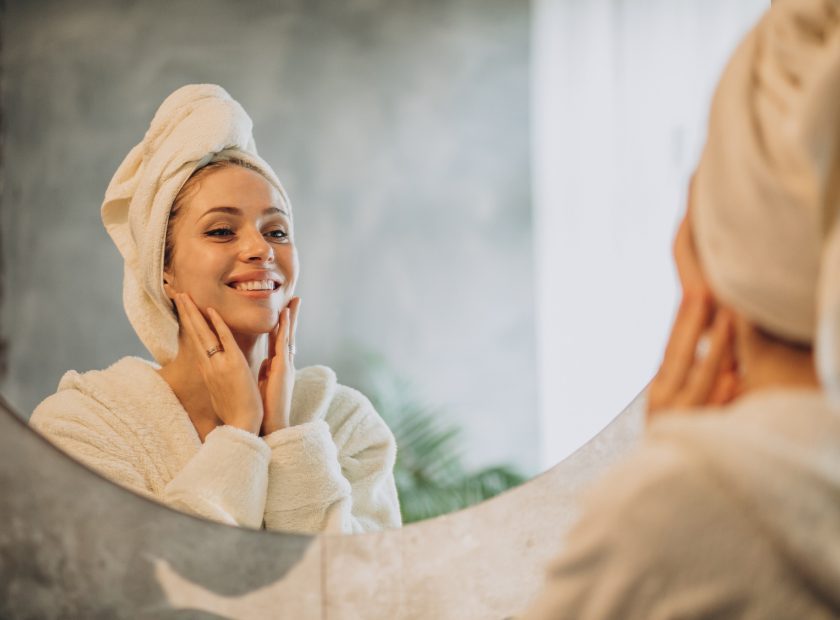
column 430, row 475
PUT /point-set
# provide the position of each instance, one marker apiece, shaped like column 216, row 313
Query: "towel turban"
column 766, row 193
column 194, row 126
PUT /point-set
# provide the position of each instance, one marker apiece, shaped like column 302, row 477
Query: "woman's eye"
column 219, row 232
column 278, row 234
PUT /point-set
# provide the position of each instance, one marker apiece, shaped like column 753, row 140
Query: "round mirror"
column 484, row 196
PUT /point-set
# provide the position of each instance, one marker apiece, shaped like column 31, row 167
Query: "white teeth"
column 255, row 285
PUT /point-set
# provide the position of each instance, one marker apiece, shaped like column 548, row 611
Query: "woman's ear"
column 690, row 272
column 167, row 286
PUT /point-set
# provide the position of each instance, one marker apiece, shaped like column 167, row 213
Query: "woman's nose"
column 255, row 247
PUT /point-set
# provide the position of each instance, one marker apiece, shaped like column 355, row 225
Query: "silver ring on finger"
column 215, row 349
column 292, row 349
column 702, row 348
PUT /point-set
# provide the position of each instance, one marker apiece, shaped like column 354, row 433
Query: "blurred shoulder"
column 661, row 503
column 649, row 473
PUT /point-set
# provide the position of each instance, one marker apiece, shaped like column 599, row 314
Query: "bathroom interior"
column 485, row 194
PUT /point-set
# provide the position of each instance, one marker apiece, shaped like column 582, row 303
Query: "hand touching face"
column 699, row 366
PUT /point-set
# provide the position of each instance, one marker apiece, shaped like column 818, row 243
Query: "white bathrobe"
column 331, row 471
column 731, row 513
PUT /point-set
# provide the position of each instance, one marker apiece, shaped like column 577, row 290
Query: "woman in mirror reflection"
column 222, row 425
column 731, row 507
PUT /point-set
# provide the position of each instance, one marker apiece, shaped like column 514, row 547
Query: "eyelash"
column 228, row 232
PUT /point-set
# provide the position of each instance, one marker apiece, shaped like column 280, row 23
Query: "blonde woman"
column 222, row 425
column 731, row 508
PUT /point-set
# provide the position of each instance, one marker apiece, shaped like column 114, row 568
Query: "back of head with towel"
column 731, row 508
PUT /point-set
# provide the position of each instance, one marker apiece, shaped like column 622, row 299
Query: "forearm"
column 307, row 492
column 315, row 486
column 225, row 481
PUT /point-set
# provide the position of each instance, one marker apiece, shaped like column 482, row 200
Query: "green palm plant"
column 430, row 474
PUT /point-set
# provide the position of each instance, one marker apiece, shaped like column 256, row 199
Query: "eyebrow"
column 238, row 211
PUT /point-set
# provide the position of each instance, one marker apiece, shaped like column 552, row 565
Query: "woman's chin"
column 252, row 329
column 252, row 326
column 250, row 322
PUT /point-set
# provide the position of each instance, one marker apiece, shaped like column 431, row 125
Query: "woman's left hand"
column 277, row 373
column 693, row 376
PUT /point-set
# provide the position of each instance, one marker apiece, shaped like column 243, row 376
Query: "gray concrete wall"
column 400, row 129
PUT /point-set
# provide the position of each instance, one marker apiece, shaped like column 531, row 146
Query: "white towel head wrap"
column 196, row 125
column 766, row 193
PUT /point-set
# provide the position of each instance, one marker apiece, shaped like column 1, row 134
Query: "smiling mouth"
column 255, row 285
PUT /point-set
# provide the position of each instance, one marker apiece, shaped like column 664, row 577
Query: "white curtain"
column 621, row 90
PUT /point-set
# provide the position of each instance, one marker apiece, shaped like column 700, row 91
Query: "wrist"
column 249, row 424
column 270, row 427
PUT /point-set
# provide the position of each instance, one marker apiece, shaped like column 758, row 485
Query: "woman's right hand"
column 690, row 376
column 230, row 383
column 277, row 373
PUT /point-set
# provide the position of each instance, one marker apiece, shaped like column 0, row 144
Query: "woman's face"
column 233, row 250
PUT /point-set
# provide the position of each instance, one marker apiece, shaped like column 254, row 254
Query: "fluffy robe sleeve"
column 332, row 473
column 225, row 480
